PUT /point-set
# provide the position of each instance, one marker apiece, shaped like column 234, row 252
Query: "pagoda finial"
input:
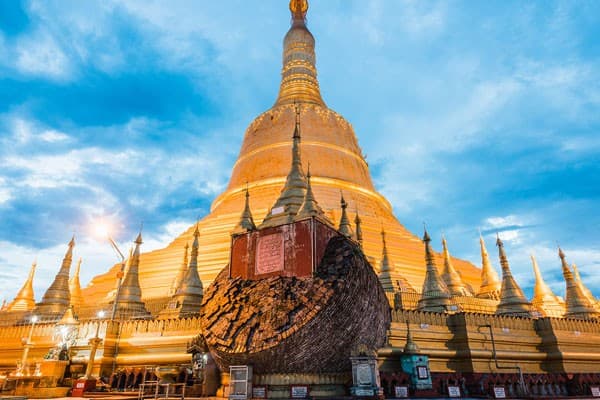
column 512, row 299
column 410, row 347
column 450, row 276
column 299, row 72
column 490, row 282
column 357, row 224
column 579, row 282
column 181, row 272
column 58, row 296
column 435, row 295
column 310, row 206
column 298, row 8
column 188, row 295
column 246, row 222
column 385, row 277
column 25, row 299
column 344, row 227
column 75, row 286
column 292, row 195
column 577, row 304
column 130, row 302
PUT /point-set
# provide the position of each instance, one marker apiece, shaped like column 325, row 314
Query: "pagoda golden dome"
column 329, row 144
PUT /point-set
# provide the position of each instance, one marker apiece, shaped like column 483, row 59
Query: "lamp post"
column 94, row 343
column 27, row 345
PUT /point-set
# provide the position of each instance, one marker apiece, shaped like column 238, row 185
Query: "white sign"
column 363, row 374
column 453, row 391
column 499, row 392
column 299, row 392
column 259, row 392
column 401, row 391
column 595, row 391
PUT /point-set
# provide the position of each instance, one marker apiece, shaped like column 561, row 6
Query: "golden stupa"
column 337, row 165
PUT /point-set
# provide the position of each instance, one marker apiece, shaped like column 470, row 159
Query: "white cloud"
column 40, row 55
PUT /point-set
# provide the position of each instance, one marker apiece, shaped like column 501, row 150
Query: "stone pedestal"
column 365, row 377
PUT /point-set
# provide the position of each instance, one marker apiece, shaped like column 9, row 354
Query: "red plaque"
column 269, row 254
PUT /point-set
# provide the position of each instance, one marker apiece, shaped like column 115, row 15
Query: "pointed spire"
column 583, row 288
column 434, row 296
column 410, row 347
column 246, row 222
column 512, row 299
column 544, row 299
column 310, row 206
column 181, row 272
column 384, row 271
column 359, row 235
column 75, row 287
column 299, row 72
column 491, row 285
column 452, row 279
column 68, row 317
column 292, row 195
column 57, row 298
column 129, row 303
column 25, row 299
column 577, row 304
column 188, row 296
column 345, row 228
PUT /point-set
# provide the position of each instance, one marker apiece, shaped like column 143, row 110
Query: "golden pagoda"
column 577, row 304
column 25, row 299
column 491, row 285
column 512, row 300
column 453, row 281
column 57, row 298
column 75, row 287
column 544, row 300
column 337, row 164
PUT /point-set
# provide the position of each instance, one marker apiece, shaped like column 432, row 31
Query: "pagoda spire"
column 129, row 303
column 181, row 272
column 299, row 73
column 25, row 299
column 452, row 279
column 385, row 277
column 544, row 299
column 345, row 228
column 491, row 285
column 292, row 195
column 435, row 296
column 75, row 287
column 577, row 304
column 57, row 298
column 357, row 224
column 188, row 296
column 512, row 299
column 310, row 206
column 584, row 289
column 246, row 222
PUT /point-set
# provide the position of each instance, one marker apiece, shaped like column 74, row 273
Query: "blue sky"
column 472, row 115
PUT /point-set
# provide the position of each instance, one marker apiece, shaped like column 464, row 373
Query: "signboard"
column 401, row 391
column 299, row 392
column 499, row 392
column 422, row 372
column 363, row 375
column 453, row 391
column 595, row 391
column 269, row 254
column 363, row 392
column 259, row 392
